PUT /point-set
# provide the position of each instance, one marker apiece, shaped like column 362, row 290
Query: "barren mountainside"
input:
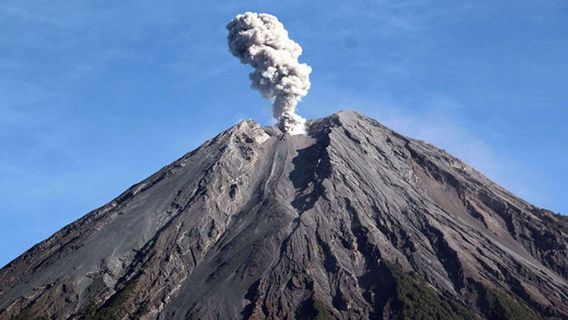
column 351, row 221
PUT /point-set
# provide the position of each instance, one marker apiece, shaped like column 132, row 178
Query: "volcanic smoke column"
column 260, row 40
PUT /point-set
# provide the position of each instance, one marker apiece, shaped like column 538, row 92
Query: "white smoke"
column 260, row 40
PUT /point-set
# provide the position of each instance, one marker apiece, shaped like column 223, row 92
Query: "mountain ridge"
column 255, row 224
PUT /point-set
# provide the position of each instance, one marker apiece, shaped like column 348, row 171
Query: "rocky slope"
column 352, row 221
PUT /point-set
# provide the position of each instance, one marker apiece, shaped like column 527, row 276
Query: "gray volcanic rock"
column 352, row 221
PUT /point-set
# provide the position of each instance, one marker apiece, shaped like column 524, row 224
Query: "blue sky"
column 97, row 95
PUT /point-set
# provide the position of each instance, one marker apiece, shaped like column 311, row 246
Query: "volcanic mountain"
column 351, row 221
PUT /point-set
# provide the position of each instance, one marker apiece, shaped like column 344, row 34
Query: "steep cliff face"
column 352, row 221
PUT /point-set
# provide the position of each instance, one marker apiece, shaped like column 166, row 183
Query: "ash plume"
column 260, row 40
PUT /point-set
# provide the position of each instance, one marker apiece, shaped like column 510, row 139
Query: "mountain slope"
column 351, row 221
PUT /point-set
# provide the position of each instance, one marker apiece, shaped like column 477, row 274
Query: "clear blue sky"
column 97, row 95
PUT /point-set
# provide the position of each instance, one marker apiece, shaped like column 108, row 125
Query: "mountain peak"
column 352, row 220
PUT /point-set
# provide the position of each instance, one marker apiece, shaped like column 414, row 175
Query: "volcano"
column 351, row 221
